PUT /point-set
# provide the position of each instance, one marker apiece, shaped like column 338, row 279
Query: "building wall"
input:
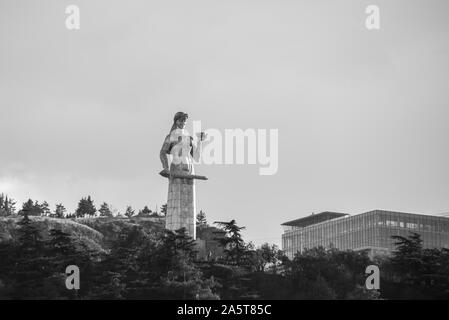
column 371, row 231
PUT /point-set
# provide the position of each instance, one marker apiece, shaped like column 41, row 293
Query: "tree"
column 2, row 205
column 321, row 273
column 105, row 211
column 45, row 209
column 31, row 208
column 407, row 259
column 233, row 244
column 413, row 272
column 129, row 212
column 63, row 250
column 145, row 212
column 266, row 255
column 7, row 206
column 60, row 211
column 118, row 273
column 164, row 210
column 31, row 266
column 173, row 266
column 86, row 207
column 70, row 215
column 201, row 219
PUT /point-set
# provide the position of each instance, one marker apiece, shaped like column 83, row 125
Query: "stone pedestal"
column 181, row 206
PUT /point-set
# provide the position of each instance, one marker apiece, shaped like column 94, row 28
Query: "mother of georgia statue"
column 181, row 187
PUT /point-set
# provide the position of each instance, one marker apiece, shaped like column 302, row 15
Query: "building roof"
column 314, row 219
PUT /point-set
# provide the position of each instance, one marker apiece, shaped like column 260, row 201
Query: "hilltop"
column 97, row 233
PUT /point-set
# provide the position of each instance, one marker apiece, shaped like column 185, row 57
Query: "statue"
column 181, row 205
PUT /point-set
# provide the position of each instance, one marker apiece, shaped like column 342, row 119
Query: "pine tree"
column 9, row 206
column 60, row 211
column 145, row 212
column 179, row 278
column 64, row 250
column 85, row 208
column 105, row 211
column 201, row 219
column 118, row 273
column 233, row 244
column 31, row 265
column 3, row 203
column 31, row 208
column 45, row 209
column 29, row 234
column 129, row 212
column 164, row 210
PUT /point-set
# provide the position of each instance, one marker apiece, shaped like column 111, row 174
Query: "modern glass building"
column 369, row 231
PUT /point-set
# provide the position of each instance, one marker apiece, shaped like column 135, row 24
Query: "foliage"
column 266, row 257
column 60, row 211
column 129, row 212
column 235, row 249
column 45, row 209
column 86, row 207
column 145, row 212
column 416, row 273
column 201, row 219
column 321, row 273
column 7, row 206
column 31, row 208
column 163, row 265
column 104, row 210
column 164, row 210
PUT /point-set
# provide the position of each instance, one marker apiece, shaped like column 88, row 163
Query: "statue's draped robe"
column 181, row 206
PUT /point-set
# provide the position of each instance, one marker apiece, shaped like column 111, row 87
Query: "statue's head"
column 179, row 121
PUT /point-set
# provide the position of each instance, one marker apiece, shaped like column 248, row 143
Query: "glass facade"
column 370, row 231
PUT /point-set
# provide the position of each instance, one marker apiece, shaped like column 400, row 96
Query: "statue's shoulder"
column 167, row 138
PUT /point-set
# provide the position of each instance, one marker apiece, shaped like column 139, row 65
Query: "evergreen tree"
column 70, row 216
column 3, row 205
column 64, row 250
column 60, row 211
column 44, row 209
column 264, row 256
column 85, row 207
column 7, row 206
column 321, row 273
column 201, row 219
column 31, row 265
column 234, row 246
column 173, row 273
column 408, row 258
column 145, row 212
column 129, row 212
column 118, row 273
column 105, row 211
column 413, row 272
column 164, row 210
column 31, row 208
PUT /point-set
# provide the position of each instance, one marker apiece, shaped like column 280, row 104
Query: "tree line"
column 165, row 266
column 86, row 208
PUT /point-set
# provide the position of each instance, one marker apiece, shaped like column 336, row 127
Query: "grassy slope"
column 94, row 232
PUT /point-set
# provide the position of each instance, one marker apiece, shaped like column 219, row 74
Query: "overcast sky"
column 363, row 116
